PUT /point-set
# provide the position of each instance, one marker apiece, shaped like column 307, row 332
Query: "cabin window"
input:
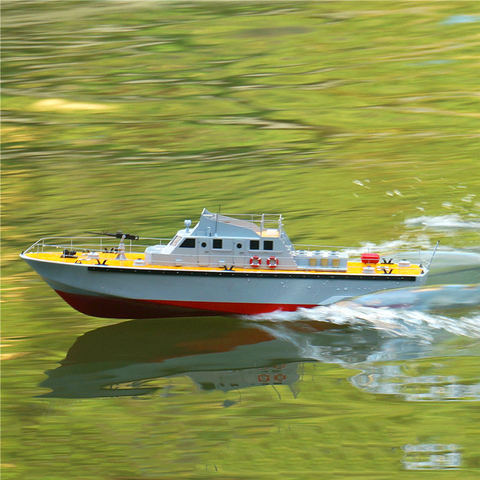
column 188, row 243
column 268, row 245
column 217, row 243
column 239, row 245
column 254, row 244
column 204, row 244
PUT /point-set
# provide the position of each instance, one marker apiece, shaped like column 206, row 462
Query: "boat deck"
column 136, row 260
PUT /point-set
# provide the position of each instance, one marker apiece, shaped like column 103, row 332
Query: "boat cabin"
column 246, row 241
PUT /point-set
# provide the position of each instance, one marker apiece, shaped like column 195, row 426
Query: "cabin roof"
column 242, row 225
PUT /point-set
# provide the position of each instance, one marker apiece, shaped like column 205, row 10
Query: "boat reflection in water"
column 216, row 354
column 139, row 357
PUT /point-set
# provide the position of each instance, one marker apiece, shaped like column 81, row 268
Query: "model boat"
column 237, row 265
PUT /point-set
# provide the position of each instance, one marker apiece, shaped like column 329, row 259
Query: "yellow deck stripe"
column 352, row 267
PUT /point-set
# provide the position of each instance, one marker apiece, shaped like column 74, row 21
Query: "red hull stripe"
column 109, row 307
column 233, row 308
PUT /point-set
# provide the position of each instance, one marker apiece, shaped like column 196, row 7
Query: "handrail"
column 91, row 243
column 109, row 241
column 226, row 259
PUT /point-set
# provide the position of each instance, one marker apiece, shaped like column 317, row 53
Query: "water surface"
column 357, row 121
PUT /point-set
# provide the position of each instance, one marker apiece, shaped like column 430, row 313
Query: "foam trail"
column 387, row 321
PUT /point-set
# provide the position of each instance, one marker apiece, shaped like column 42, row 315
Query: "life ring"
column 263, row 378
column 255, row 261
column 272, row 262
column 370, row 258
column 280, row 377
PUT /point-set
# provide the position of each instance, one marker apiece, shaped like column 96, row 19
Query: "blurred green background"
column 348, row 117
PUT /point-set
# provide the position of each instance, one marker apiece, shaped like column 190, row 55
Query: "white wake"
column 387, row 321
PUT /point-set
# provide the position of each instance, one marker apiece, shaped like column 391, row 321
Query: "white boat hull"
column 126, row 292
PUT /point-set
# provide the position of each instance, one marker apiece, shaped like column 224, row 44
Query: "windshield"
column 175, row 240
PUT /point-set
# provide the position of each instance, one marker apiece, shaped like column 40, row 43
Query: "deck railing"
column 49, row 244
column 259, row 223
column 224, row 258
column 419, row 257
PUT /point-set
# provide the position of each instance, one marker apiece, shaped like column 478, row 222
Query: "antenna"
column 216, row 219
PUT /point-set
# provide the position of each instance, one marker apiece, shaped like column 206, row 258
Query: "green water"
column 350, row 118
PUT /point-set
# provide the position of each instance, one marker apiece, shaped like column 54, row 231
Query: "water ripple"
column 388, row 321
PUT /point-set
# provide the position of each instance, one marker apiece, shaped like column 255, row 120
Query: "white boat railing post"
column 433, row 254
